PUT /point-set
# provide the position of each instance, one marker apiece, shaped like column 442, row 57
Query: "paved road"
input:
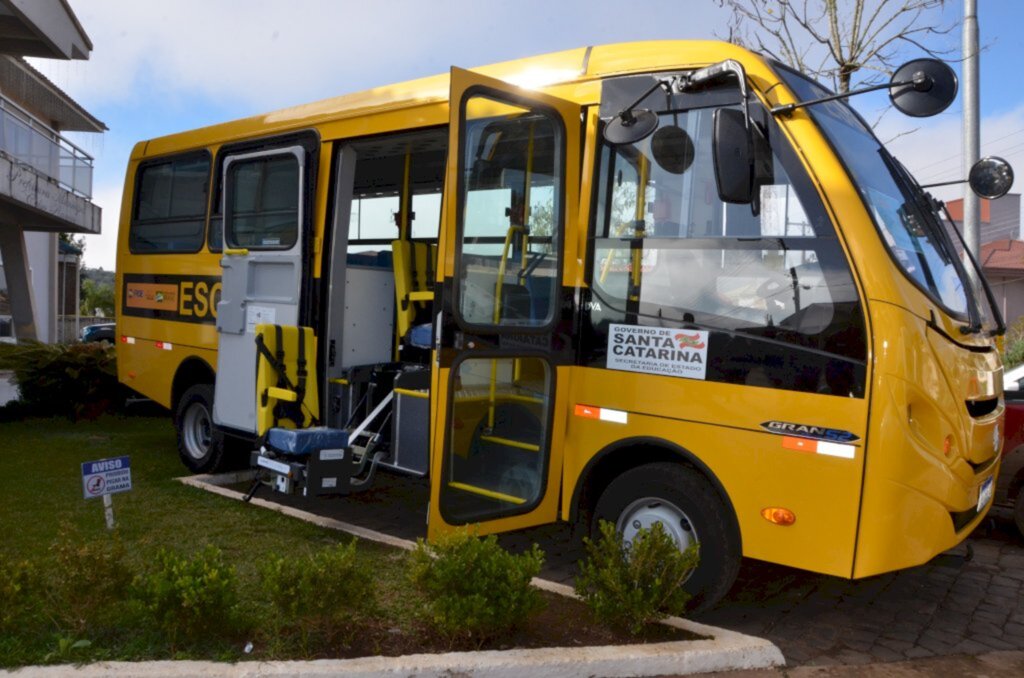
column 949, row 606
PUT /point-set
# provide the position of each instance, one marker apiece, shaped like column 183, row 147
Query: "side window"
column 170, row 205
column 263, row 202
column 510, row 214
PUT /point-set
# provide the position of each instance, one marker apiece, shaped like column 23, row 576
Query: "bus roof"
column 537, row 72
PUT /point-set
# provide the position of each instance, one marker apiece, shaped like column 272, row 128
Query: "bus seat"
column 303, row 442
column 414, row 265
column 286, row 393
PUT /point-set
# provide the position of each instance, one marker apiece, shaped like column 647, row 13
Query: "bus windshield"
column 905, row 216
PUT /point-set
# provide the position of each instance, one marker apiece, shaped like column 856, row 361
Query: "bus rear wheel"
column 198, row 448
column 689, row 509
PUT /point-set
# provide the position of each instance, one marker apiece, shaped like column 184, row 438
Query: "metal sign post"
column 105, row 477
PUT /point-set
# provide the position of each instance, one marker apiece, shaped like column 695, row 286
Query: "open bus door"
column 265, row 221
column 503, row 334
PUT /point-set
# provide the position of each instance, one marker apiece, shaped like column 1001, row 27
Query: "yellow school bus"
column 667, row 282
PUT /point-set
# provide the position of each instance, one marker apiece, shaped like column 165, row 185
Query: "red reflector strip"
column 602, row 414
column 164, row 345
column 819, row 447
column 127, row 340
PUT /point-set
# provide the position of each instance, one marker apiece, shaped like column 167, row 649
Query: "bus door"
column 264, row 209
column 503, row 334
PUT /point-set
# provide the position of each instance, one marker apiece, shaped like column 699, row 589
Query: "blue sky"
column 159, row 68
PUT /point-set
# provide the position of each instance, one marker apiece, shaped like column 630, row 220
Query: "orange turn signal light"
column 778, row 515
column 947, row 445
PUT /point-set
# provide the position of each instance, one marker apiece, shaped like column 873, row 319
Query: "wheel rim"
column 197, row 431
column 644, row 513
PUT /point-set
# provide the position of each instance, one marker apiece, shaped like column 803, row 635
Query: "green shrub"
column 475, row 589
column 630, row 586
column 89, row 582
column 187, row 597
column 1014, row 354
column 1013, row 343
column 74, row 380
column 19, row 593
column 319, row 592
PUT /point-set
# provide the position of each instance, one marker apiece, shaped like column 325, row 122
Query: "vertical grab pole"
column 497, row 317
column 527, row 213
column 638, row 228
column 405, row 227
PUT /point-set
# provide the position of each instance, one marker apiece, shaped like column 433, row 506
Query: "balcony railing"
column 25, row 139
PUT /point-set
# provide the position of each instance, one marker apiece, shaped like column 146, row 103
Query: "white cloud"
column 271, row 54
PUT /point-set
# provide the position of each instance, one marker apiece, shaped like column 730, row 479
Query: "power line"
column 959, row 156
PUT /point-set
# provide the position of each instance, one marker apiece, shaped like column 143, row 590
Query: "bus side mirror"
column 733, row 155
column 742, row 157
column 991, row 178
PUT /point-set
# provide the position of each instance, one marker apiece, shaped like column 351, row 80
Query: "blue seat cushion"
column 419, row 335
column 301, row 442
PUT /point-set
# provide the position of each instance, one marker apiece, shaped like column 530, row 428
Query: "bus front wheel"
column 199, row 450
column 689, row 509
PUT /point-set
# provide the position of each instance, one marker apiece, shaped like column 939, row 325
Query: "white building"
column 45, row 180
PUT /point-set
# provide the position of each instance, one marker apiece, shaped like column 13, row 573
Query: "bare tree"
column 837, row 39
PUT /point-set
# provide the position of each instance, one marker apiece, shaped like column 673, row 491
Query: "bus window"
column 170, row 205
column 508, row 266
column 264, row 202
column 385, row 169
column 373, row 217
column 668, row 252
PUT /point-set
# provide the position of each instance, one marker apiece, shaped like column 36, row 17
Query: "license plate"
column 985, row 494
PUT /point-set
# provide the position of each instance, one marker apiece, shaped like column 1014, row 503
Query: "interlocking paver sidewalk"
column 983, row 665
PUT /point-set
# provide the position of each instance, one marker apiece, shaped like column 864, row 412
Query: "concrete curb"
column 722, row 650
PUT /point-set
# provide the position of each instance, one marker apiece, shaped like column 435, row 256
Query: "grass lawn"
column 44, row 514
column 41, row 495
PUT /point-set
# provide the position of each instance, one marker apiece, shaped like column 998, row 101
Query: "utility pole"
column 972, row 206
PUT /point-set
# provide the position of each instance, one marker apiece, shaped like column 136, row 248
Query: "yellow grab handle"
column 282, row 394
column 235, row 252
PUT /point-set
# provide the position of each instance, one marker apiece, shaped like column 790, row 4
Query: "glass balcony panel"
column 27, row 140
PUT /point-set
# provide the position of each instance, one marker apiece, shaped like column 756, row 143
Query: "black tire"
column 653, row 490
column 1018, row 511
column 200, row 450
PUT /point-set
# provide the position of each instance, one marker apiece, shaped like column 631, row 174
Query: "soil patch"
column 564, row 622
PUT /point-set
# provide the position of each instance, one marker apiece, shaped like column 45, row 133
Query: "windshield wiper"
column 993, row 306
column 931, row 220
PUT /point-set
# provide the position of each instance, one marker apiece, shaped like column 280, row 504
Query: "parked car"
column 99, row 332
column 1013, row 379
column 1010, row 488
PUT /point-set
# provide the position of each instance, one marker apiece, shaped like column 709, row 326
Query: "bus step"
column 483, row 492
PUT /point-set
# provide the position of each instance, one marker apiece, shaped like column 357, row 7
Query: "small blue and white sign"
column 106, row 476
